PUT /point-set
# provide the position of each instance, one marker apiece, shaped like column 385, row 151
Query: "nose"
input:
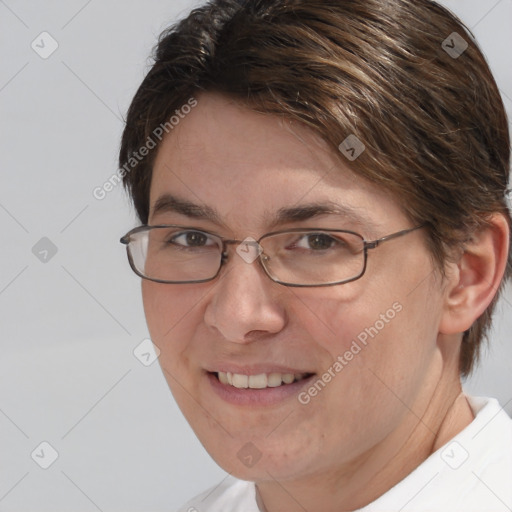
column 245, row 304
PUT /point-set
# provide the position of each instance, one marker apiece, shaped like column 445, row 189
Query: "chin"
column 261, row 459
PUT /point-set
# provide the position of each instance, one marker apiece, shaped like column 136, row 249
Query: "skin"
column 396, row 401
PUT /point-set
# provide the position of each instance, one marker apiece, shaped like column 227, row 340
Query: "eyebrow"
column 168, row 203
column 309, row 211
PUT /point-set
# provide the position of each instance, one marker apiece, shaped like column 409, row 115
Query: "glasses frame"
column 367, row 245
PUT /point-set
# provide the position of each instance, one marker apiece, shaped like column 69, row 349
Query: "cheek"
column 172, row 316
column 166, row 306
column 383, row 327
column 342, row 315
column 379, row 350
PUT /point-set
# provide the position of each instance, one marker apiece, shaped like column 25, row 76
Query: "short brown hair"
column 432, row 121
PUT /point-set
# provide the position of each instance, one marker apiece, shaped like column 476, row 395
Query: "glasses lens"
column 313, row 257
column 175, row 254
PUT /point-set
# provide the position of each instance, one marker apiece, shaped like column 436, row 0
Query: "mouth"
column 260, row 381
column 258, row 389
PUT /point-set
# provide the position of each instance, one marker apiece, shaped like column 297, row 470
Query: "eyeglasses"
column 295, row 257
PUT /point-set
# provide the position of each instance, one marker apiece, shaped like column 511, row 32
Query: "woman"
column 322, row 191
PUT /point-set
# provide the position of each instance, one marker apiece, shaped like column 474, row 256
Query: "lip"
column 255, row 369
column 255, row 397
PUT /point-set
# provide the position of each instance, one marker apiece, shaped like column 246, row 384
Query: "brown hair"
column 432, row 121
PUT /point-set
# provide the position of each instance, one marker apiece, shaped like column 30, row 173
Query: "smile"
column 260, row 381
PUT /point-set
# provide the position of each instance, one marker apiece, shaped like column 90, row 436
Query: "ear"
column 475, row 278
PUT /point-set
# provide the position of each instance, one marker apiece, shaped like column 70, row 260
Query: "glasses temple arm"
column 376, row 243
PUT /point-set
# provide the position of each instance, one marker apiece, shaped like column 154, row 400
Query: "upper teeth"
column 263, row 380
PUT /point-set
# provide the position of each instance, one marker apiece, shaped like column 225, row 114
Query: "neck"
column 446, row 413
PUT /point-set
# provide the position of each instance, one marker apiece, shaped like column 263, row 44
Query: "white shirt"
column 471, row 473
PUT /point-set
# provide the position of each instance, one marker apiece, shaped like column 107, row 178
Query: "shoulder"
column 489, row 439
column 230, row 495
column 471, row 473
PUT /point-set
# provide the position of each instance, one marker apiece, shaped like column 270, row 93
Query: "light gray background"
column 68, row 375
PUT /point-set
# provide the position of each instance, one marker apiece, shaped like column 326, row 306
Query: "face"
column 358, row 351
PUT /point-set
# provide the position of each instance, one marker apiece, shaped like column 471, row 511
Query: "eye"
column 192, row 239
column 318, row 242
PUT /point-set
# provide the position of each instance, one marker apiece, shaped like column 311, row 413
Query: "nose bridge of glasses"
column 249, row 251
column 241, row 245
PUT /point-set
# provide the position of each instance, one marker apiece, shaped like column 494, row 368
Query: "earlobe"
column 475, row 279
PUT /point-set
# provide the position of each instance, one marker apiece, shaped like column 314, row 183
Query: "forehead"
column 220, row 135
column 247, row 165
